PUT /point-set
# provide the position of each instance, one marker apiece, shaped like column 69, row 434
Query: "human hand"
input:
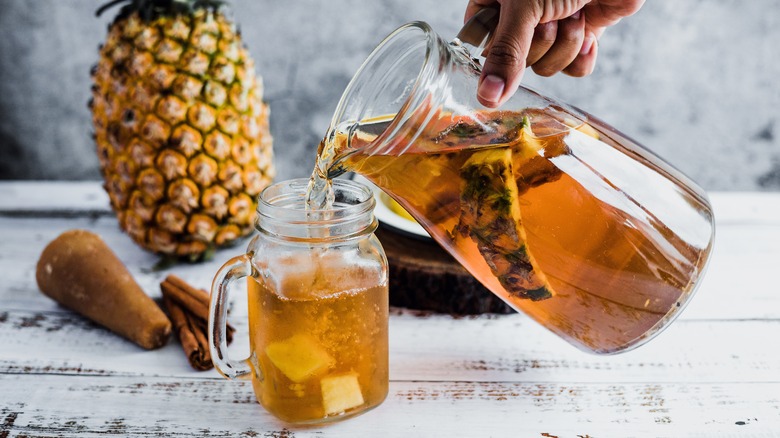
column 550, row 36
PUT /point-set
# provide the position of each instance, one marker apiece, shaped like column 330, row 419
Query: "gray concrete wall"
column 696, row 81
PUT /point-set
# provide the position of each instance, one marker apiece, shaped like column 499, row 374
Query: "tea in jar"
column 317, row 303
column 320, row 339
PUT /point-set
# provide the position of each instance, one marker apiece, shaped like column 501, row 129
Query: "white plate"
column 389, row 217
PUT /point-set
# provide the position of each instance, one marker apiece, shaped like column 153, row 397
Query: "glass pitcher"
column 556, row 212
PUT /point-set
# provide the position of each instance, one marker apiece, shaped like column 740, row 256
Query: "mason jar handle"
column 478, row 29
column 235, row 269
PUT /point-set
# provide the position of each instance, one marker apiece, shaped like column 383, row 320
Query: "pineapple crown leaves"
column 149, row 10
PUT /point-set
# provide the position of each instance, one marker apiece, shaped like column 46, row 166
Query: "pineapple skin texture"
column 181, row 131
column 490, row 216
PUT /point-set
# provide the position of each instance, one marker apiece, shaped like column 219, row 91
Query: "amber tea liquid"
column 319, row 340
column 594, row 267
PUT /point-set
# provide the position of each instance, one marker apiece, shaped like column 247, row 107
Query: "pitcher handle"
column 478, row 29
column 234, row 269
column 477, row 32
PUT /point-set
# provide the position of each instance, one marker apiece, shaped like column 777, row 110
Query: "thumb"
column 505, row 60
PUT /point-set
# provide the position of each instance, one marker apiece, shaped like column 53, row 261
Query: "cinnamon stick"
column 195, row 301
column 188, row 308
column 193, row 341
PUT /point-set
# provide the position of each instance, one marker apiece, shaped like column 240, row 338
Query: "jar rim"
column 285, row 202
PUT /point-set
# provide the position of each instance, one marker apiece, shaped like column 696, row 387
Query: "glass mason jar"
column 556, row 212
column 317, row 304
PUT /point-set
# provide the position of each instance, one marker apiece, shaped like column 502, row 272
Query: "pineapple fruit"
column 299, row 357
column 341, row 392
column 181, row 130
column 302, row 360
column 490, row 216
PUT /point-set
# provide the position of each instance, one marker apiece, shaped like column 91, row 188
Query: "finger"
column 568, row 43
column 585, row 61
column 505, row 59
column 602, row 13
column 544, row 37
column 476, row 5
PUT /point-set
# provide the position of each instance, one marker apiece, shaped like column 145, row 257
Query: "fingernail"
column 587, row 45
column 491, row 88
column 576, row 15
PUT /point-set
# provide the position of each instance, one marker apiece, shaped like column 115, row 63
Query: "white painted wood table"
column 714, row 372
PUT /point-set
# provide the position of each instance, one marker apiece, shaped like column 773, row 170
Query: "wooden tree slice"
column 425, row 277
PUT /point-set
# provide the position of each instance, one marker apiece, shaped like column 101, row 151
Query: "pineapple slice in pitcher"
column 490, row 216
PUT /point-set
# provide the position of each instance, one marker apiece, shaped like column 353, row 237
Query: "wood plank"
column 713, row 373
column 45, row 405
column 59, row 196
column 739, row 282
column 516, row 349
column 746, row 207
column 508, row 348
column 736, row 286
column 62, row 197
column 22, row 240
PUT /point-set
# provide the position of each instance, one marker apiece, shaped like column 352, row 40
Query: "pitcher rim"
column 430, row 37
